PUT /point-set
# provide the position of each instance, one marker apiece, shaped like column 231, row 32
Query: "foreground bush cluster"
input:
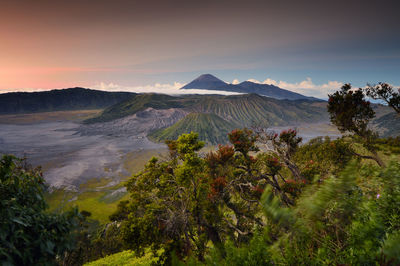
column 239, row 207
column 261, row 200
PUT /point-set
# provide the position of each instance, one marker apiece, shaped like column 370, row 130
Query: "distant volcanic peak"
column 208, row 78
column 207, row 82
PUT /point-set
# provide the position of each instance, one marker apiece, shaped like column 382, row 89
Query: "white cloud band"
column 157, row 88
column 305, row 87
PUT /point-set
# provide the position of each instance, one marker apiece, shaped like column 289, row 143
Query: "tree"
column 183, row 203
column 385, row 92
column 28, row 234
column 284, row 146
column 350, row 112
column 169, row 205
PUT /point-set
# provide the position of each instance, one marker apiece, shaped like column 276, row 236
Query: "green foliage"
column 391, row 248
column 254, row 253
column 166, row 203
column 241, row 206
column 28, row 234
column 243, row 141
column 322, row 157
column 126, row 257
column 210, row 127
column 385, row 92
column 184, row 203
column 338, row 222
column 93, row 241
column 349, row 111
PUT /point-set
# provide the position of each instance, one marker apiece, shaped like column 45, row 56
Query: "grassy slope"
column 126, row 257
column 211, row 128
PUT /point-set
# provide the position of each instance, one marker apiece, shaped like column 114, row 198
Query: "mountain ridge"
column 59, row 100
column 244, row 109
column 210, row 82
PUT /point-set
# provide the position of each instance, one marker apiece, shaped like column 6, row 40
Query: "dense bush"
column 336, row 210
column 28, row 234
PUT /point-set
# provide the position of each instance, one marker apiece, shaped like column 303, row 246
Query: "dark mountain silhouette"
column 209, row 82
column 59, row 100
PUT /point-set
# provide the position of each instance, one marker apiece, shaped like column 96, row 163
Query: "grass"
column 58, row 199
column 91, row 201
column 100, row 210
column 126, row 257
column 135, row 161
column 95, row 183
column 96, row 195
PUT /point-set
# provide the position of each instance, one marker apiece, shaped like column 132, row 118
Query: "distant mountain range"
column 166, row 117
column 58, row 100
column 245, row 109
column 81, row 98
column 210, row 82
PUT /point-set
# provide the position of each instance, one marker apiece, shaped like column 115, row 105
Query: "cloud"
column 254, row 81
column 235, row 82
column 306, row 87
column 172, row 89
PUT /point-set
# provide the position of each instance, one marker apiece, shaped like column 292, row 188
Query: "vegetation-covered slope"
column 211, row 128
column 58, row 100
column 252, row 109
column 245, row 110
column 136, row 103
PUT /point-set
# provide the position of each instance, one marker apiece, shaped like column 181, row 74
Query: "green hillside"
column 245, row 110
column 252, row 109
column 211, row 128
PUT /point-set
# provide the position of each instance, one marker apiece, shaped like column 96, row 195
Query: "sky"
column 311, row 47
